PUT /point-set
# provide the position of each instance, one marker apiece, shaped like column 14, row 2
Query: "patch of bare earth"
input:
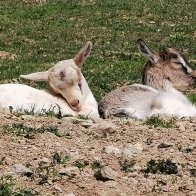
column 114, row 144
column 4, row 54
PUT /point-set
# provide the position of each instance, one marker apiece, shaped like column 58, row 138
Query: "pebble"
column 58, row 188
column 182, row 128
column 112, row 149
column 45, row 160
column 106, row 173
column 86, row 124
column 105, row 126
column 69, row 171
column 164, row 145
column 111, row 184
column 70, row 194
column 133, row 150
column 27, row 117
column 21, row 169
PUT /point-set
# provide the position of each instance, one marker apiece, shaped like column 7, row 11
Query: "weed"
column 2, row 161
column 162, row 166
column 51, row 129
column 81, row 164
column 83, row 117
column 93, row 135
column 96, row 165
column 51, row 112
column 156, row 121
column 59, row 159
column 27, row 192
column 127, row 166
column 46, row 172
column 158, row 186
column 192, row 98
column 20, row 129
column 7, row 188
column 193, row 172
column 68, row 136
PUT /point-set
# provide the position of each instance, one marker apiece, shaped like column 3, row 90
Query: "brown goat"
column 166, row 70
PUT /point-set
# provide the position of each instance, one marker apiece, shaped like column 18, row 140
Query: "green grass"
column 161, row 166
column 42, row 34
column 156, row 121
column 20, row 129
column 127, row 166
column 7, row 188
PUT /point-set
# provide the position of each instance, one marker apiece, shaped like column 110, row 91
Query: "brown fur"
column 165, row 71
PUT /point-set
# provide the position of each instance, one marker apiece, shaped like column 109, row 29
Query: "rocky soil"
column 118, row 157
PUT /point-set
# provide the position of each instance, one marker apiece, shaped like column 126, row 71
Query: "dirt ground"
column 73, row 161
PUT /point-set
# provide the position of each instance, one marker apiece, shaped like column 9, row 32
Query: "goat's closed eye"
column 178, row 63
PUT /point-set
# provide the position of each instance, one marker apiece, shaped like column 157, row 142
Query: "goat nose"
column 75, row 103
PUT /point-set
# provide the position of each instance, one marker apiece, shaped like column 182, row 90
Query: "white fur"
column 165, row 103
column 66, row 79
column 142, row 104
column 173, row 104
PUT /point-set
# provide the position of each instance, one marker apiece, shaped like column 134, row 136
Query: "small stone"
column 45, row 160
column 105, row 126
column 132, row 174
column 106, row 173
column 188, row 149
column 133, row 150
column 50, row 182
column 70, row 194
column 81, row 121
column 69, row 171
column 58, row 188
column 164, row 145
column 122, row 194
column 86, row 124
column 58, row 144
column 27, row 117
column 112, row 149
column 182, row 128
column 172, row 150
column 22, row 170
column 193, row 193
column 111, row 184
column 151, row 22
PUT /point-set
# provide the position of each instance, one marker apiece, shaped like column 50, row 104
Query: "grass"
column 59, row 159
column 7, row 188
column 156, row 121
column 20, row 129
column 40, row 34
column 127, row 166
column 161, row 166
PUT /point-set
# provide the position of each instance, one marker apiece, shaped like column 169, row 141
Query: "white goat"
column 66, row 79
column 141, row 101
column 166, row 72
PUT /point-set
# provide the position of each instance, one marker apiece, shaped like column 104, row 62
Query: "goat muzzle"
column 75, row 105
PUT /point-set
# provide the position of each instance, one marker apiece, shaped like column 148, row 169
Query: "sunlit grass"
column 40, row 34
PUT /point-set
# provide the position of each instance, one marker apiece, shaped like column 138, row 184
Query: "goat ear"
column 39, row 76
column 83, row 54
column 145, row 50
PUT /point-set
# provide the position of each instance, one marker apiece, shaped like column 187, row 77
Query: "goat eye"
column 178, row 63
